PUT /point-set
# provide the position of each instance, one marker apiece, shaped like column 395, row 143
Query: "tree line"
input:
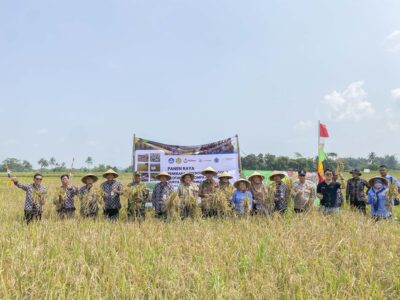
column 298, row 162
column 249, row 162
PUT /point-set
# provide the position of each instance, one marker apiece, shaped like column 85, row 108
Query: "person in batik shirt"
column 355, row 192
column 112, row 190
column 162, row 190
column 35, row 197
column 90, row 197
column 279, row 191
column 64, row 198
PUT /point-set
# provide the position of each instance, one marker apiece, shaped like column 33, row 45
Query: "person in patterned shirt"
column 279, row 191
column 112, row 190
column 90, row 197
column 304, row 193
column 161, row 192
column 187, row 189
column 64, row 198
column 225, row 186
column 35, row 198
column 355, row 192
column 138, row 212
column 207, row 187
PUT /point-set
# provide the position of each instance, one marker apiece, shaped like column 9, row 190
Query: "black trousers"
column 360, row 206
column 112, row 213
column 32, row 215
column 299, row 211
column 66, row 213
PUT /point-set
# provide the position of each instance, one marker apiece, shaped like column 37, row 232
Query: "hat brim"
column 254, row 176
column 84, row 178
column 165, row 175
column 187, row 174
column 236, row 184
column 358, row 173
column 114, row 174
column 372, row 180
column 279, row 174
column 227, row 176
column 204, row 173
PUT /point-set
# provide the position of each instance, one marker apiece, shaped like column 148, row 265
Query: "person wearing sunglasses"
column 36, row 195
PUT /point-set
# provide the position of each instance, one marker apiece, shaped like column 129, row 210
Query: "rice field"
column 294, row 257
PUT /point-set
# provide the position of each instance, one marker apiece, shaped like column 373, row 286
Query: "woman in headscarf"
column 381, row 206
column 260, row 192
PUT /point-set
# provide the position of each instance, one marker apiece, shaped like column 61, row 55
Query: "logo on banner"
column 179, row 160
column 171, row 160
column 216, row 160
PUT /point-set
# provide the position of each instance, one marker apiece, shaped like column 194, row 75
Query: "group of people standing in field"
column 245, row 196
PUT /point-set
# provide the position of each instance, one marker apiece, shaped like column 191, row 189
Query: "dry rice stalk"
column 173, row 206
column 59, row 198
column 191, row 208
column 90, row 199
column 219, row 202
column 39, row 197
column 246, row 205
column 135, row 195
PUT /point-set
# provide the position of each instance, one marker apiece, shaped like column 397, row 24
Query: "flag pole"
column 319, row 145
column 239, row 157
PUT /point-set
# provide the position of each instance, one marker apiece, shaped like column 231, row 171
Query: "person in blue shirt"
column 381, row 206
column 240, row 195
column 383, row 170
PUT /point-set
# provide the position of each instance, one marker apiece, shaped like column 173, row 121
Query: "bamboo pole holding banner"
column 239, row 157
column 134, row 154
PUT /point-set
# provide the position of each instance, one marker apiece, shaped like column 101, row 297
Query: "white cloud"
column 392, row 123
column 42, row 131
column 396, row 93
column 350, row 104
column 303, row 124
column 392, row 41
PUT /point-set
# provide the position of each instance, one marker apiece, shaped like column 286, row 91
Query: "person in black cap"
column 355, row 192
column 304, row 193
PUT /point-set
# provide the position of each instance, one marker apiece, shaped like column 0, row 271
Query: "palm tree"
column 43, row 163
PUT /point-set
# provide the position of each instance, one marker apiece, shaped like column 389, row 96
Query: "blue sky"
column 78, row 78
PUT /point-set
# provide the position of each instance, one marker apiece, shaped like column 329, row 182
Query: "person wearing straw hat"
column 225, row 186
column 355, row 192
column 161, row 192
column 112, row 190
column 260, row 192
column 90, row 197
column 242, row 200
column 186, row 190
column 207, row 187
column 304, row 193
column 378, row 198
column 224, row 183
column 135, row 210
column 279, row 192
column 35, row 197
column 64, row 198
